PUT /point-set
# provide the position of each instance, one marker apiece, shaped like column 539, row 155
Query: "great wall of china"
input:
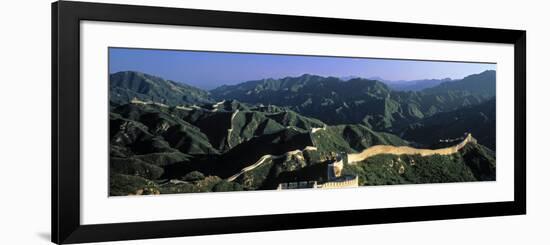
column 351, row 182
column 141, row 102
column 356, row 157
column 264, row 158
column 351, row 157
column 407, row 150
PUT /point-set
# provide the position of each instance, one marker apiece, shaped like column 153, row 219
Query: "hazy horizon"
column 196, row 67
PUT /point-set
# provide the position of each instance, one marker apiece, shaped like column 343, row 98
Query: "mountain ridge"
column 357, row 100
column 288, row 130
column 127, row 85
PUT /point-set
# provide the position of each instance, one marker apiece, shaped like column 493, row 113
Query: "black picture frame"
column 66, row 18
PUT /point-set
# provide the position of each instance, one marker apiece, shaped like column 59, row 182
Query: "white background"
column 25, row 104
column 96, row 37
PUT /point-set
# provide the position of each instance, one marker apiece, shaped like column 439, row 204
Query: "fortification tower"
column 334, row 169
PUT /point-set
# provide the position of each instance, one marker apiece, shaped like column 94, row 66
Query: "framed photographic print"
column 175, row 122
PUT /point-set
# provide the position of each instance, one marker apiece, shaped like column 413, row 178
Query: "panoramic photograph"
column 185, row 121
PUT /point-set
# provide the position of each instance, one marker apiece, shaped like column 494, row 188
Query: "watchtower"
column 334, row 169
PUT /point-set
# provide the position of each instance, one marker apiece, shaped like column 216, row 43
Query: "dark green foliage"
column 479, row 120
column 415, row 169
column 227, row 186
column 193, row 176
column 255, row 179
column 481, row 161
column 133, row 166
column 164, row 158
column 290, row 118
column 183, row 187
column 206, row 184
column 189, row 140
column 352, row 138
column 122, row 185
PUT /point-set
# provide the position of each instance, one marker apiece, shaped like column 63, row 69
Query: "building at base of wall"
column 334, row 178
column 342, row 182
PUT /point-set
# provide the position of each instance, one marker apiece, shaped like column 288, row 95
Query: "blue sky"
column 209, row 70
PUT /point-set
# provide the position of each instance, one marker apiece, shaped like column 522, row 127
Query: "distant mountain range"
column 404, row 85
column 169, row 137
column 415, row 85
column 483, row 84
column 329, row 99
column 358, row 100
